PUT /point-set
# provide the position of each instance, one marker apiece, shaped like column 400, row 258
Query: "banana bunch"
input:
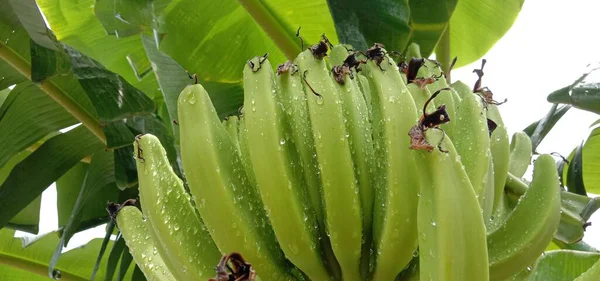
column 342, row 165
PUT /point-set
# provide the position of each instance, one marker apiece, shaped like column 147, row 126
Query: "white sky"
column 548, row 47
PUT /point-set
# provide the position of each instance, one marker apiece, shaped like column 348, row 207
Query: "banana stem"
column 58, row 95
column 35, row 268
column 285, row 40
column 515, row 185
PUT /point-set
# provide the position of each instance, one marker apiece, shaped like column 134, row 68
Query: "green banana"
column 530, row 226
column 499, row 148
column 294, row 103
column 277, row 169
column 488, row 195
column 142, row 246
column 365, row 88
column 520, row 154
column 593, row 273
column 471, row 139
column 181, row 237
column 397, row 186
column 420, row 96
column 230, row 207
column 452, row 235
column 360, row 137
column 231, row 124
column 462, row 90
column 245, row 153
column 340, row 186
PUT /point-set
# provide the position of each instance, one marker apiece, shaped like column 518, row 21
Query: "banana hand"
column 340, row 186
column 281, row 185
column 228, row 204
column 394, row 218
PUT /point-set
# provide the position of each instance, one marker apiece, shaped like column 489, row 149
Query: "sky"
column 549, row 46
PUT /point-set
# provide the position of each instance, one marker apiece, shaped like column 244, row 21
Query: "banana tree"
column 117, row 68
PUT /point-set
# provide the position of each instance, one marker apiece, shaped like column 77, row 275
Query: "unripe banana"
column 488, row 194
column 452, row 236
column 244, row 152
column 395, row 212
column 142, row 246
column 181, row 237
column 530, row 226
column 360, row 136
column 278, row 171
column 592, row 274
column 420, row 96
column 520, row 154
column 230, row 207
column 499, row 148
column 232, row 126
column 471, row 139
column 340, row 186
column 294, row 103
column 462, row 90
column 365, row 88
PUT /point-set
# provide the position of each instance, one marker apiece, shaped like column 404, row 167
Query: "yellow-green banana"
column 340, row 186
column 360, row 136
column 499, row 147
column 292, row 97
column 528, row 230
column 231, row 124
column 181, row 237
column 452, row 235
column 471, row 139
column 397, row 185
column 245, row 153
column 278, row 171
column 520, row 154
column 230, row 207
column 365, row 88
column 142, row 246
column 462, row 90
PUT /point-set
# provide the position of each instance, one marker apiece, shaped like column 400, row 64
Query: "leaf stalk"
column 286, row 41
column 23, row 67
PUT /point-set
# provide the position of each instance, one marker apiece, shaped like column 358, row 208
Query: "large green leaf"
column 171, row 77
column 74, row 23
column 98, row 188
column 28, row 219
column 562, row 265
column 67, row 191
column 361, row 23
column 476, row 25
column 428, row 21
column 31, row 263
column 44, row 166
column 27, row 116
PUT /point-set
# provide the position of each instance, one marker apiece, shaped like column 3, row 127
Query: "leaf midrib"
column 19, row 64
column 35, row 267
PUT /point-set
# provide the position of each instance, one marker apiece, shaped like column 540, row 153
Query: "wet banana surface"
column 343, row 165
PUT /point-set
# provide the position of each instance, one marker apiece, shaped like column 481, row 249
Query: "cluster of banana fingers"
column 342, row 166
